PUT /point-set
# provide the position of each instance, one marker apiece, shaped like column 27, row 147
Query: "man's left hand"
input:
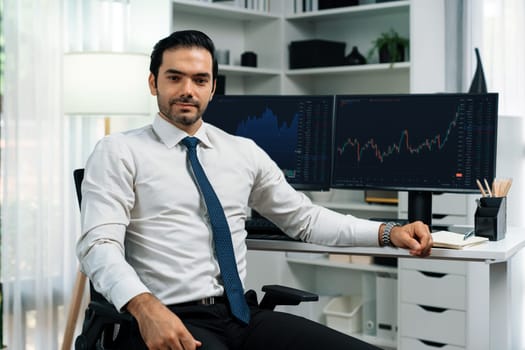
column 415, row 237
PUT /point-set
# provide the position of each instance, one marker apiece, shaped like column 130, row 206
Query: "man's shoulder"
column 217, row 133
column 137, row 132
column 118, row 140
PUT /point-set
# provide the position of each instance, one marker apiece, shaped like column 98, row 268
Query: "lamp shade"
column 106, row 83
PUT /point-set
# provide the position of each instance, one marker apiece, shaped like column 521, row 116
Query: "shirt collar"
column 170, row 135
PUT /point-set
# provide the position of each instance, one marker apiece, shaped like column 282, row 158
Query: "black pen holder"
column 491, row 218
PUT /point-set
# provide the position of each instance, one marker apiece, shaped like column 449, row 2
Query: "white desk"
column 497, row 254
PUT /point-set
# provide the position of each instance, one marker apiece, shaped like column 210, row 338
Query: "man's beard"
column 182, row 118
column 185, row 120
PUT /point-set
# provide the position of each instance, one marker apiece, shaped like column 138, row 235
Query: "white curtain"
column 40, row 148
column 37, row 240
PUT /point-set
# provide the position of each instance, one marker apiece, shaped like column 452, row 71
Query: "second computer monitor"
column 295, row 131
column 428, row 142
column 421, row 144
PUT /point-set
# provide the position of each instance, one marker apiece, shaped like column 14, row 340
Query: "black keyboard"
column 261, row 228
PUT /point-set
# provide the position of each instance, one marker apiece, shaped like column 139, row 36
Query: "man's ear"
column 152, row 84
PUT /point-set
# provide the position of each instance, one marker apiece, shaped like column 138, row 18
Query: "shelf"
column 365, row 68
column 324, row 262
column 221, row 11
column 247, row 71
column 380, row 342
column 351, row 11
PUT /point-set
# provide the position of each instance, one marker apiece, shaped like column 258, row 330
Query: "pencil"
column 488, row 187
column 496, row 185
column 506, row 187
column 481, row 188
column 501, row 187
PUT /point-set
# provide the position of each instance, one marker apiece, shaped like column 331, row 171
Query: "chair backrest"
column 78, row 175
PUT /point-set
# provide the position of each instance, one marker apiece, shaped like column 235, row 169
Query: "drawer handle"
column 432, row 343
column 433, row 274
column 439, row 216
column 433, row 309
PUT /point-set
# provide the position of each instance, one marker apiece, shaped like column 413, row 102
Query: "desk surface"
column 490, row 251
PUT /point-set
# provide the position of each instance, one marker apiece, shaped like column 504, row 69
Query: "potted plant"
column 390, row 46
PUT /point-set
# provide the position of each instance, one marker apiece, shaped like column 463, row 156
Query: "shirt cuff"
column 368, row 233
column 125, row 290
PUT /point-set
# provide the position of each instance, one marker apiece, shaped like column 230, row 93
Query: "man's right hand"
column 160, row 328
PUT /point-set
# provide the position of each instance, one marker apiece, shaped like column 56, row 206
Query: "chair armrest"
column 281, row 295
column 99, row 315
column 107, row 311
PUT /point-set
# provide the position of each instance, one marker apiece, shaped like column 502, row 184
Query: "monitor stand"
column 420, row 206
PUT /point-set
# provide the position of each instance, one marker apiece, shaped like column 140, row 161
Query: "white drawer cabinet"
column 439, row 304
column 433, row 303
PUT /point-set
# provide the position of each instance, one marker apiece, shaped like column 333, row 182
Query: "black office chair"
column 101, row 317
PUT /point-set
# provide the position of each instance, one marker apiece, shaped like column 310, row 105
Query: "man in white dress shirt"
column 146, row 241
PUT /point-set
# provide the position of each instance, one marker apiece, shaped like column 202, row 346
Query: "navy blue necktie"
column 221, row 237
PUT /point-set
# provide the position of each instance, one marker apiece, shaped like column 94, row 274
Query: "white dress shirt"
column 145, row 226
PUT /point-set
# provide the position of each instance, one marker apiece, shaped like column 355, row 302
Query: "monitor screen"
column 416, row 142
column 295, row 131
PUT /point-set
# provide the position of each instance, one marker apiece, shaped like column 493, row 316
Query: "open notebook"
column 447, row 239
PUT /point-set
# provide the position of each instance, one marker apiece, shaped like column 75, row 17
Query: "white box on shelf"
column 344, row 313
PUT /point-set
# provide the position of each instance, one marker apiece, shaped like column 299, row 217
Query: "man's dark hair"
column 182, row 38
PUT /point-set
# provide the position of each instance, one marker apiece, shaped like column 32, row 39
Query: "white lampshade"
column 106, row 83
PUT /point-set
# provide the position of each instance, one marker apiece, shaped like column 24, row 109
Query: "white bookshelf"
column 269, row 33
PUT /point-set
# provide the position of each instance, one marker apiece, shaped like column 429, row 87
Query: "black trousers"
column 215, row 327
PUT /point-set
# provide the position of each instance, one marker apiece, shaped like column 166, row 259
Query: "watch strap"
column 385, row 237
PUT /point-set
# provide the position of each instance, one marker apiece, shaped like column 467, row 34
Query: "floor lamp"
column 107, row 84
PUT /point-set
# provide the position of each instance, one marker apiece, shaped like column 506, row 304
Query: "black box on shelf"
column 330, row 4
column 316, row 53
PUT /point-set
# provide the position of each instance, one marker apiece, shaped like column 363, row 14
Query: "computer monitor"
column 295, row 131
column 420, row 143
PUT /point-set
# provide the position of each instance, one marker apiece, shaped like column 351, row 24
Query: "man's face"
column 184, row 86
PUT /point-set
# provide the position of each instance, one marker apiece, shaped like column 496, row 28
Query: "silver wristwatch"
column 385, row 237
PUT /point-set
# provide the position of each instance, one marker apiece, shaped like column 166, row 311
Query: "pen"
column 468, row 234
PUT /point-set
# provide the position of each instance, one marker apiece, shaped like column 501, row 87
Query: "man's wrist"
column 139, row 302
column 385, row 239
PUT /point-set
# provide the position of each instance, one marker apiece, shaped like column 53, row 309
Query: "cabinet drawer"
column 446, row 203
column 448, row 220
column 443, row 266
column 433, row 289
column 418, row 344
column 449, row 203
column 438, row 325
